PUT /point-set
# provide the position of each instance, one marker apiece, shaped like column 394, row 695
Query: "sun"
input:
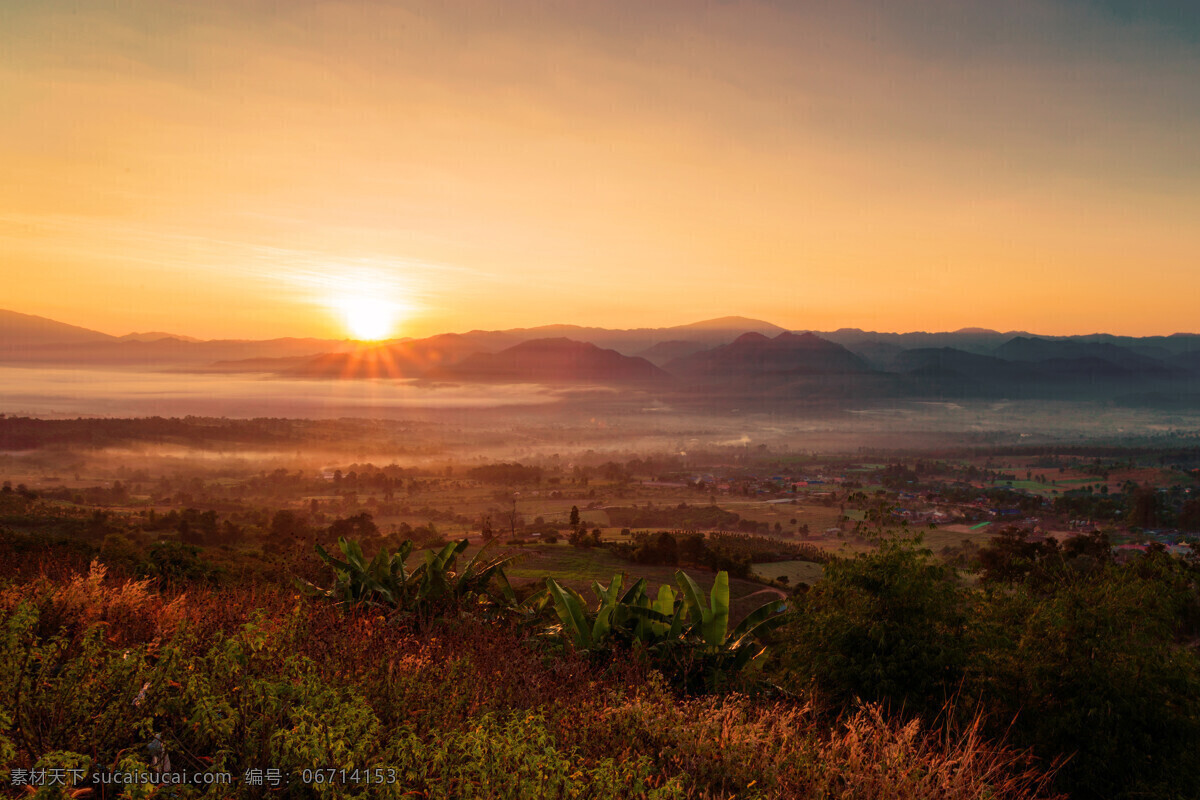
column 369, row 318
column 370, row 300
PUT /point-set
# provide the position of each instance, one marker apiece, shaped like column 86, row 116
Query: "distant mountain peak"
column 730, row 323
column 155, row 336
column 801, row 337
column 555, row 343
column 787, row 352
column 29, row 330
column 555, row 360
column 751, row 337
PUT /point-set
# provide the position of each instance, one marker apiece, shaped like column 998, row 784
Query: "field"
column 954, row 535
column 817, row 517
column 797, row 572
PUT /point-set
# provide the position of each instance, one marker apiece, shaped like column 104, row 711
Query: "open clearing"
column 797, row 572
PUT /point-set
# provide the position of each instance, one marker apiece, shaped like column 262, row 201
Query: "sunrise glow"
column 866, row 164
column 368, row 318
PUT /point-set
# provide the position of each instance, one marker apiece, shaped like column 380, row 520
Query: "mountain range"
column 727, row 358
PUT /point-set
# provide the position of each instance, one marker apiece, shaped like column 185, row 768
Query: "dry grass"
column 129, row 610
column 884, row 758
column 737, row 747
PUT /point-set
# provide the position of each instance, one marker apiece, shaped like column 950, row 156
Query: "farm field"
column 1035, row 487
column 816, row 516
column 797, row 572
column 954, row 535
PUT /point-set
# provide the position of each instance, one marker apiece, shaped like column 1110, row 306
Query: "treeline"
column 192, row 544
column 27, row 433
column 681, row 517
column 1136, row 506
column 30, row 433
column 515, row 474
column 767, row 549
column 1091, row 663
column 732, row 553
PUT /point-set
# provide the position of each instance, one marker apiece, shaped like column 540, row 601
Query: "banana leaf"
column 570, row 609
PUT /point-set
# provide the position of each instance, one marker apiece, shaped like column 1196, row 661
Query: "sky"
column 254, row 169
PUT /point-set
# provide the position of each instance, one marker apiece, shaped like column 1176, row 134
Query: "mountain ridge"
column 735, row 359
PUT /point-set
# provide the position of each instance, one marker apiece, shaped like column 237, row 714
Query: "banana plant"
column 663, row 621
column 709, row 620
column 439, row 579
column 720, row 652
column 619, row 617
column 687, row 634
column 583, row 632
column 656, row 622
column 386, row 581
column 527, row 612
column 383, row 581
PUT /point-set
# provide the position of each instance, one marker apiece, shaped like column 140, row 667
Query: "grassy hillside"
column 1056, row 668
column 104, row 675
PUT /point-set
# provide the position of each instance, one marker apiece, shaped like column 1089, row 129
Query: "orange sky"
column 252, row 169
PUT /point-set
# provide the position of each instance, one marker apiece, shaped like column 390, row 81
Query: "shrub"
column 1095, row 671
column 517, row 755
column 1081, row 660
column 886, row 627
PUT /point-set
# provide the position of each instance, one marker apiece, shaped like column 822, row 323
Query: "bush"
column 1084, row 661
column 886, row 627
column 1095, row 671
column 172, row 562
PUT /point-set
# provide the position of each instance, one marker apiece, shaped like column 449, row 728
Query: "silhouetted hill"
column 28, row 339
column 1086, row 368
column 951, row 363
column 19, row 331
column 556, row 360
column 972, row 340
column 731, row 324
column 411, row 359
column 948, row 372
column 709, row 333
column 789, row 353
column 663, row 352
column 877, row 355
column 154, row 336
column 1088, row 355
column 1189, row 361
column 730, row 362
column 1175, row 344
column 169, row 353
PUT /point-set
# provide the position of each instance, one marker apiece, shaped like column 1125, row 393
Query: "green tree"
column 1095, row 671
column 1145, row 508
column 887, row 626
